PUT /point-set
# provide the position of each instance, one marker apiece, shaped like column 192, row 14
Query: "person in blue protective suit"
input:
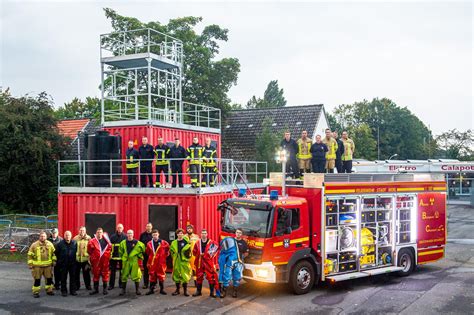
column 230, row 266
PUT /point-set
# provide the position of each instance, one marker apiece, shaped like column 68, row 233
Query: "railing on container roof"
column 74, row 173
column 144, row 40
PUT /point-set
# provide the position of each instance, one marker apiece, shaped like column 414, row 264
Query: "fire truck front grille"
column 254, row 257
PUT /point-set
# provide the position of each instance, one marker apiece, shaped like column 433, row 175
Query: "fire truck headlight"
column 262, row 273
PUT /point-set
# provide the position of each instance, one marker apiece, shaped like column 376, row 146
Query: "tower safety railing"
column 113, row 173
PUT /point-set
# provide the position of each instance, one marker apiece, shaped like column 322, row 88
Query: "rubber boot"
column 185, row 289
column 211, row 291
column 234, row 292
column 177, row 290
column 96, row 288
column 198, row 290
column 137, row 288
column 152, row 288
column 124, row 288
column 223, row 292
column 104, row 288
column 162, row 288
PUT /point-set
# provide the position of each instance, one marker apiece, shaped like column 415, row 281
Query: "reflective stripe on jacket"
column 195, row 153
column 162, row 153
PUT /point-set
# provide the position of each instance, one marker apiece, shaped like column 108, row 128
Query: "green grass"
column 5, row 255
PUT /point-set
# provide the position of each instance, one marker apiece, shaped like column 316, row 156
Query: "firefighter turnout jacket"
column 209, row 156
column 304, row 149
column 194, row 153
column 41, row 254
column 332, row 148
column 162, row 154
column 132, row 158
column 82, row 255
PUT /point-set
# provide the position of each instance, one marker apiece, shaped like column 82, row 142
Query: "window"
column 284, row 217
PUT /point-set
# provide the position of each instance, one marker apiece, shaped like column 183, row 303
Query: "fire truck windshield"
column 252, row 221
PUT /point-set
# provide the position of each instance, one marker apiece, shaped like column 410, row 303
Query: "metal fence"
column 113, row 173
column 23, row 229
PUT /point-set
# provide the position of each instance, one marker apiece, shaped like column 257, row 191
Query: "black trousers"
column 66, row 270
column 159, row 169
column 115, row 265
column 177, row 172
column 209, row 176
column 132, row 177
column 146, row 172
column 57, row 277
column 339, row 166
column 86, row 274
column 293, row 169
column 347, row 166
column 319, row 166
column 145, row 271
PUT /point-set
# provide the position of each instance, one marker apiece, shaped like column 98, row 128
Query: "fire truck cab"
column 348, row 227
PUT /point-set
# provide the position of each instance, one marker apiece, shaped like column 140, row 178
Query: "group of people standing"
column 169, row 160
column 192, row 257
column 320, row 156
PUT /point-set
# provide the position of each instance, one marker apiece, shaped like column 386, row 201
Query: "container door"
column 165, row 219
column 105, row 221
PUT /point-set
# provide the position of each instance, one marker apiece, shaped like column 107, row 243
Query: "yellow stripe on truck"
column 294, row 241
column 431, row 252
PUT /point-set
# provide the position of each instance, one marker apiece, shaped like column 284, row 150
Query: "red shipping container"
column 134, row 210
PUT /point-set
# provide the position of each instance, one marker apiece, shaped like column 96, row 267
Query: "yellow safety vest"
column 41, row 254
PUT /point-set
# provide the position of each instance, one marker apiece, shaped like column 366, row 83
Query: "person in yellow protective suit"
column 181, row 252
column 193, row 239
column 82, row 259
column 41, row 259
column 349, row 149
column 331, row 143
column 304, row 153
column 131, row 251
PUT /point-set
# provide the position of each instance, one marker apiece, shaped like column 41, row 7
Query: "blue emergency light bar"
column 242, row 192
column 274, row 195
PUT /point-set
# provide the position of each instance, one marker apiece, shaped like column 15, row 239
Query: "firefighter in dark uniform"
column 115, row 262
column 194, row 157
column 339, row 152
column 132, row 165
column 162, row 152
column 209, row 166
column 177, row 156
column 55, row 239
column 291, row 147
column 146, row 152
column 145, row 237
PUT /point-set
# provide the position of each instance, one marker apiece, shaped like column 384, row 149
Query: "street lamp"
column 281, row 156
column 394, row 155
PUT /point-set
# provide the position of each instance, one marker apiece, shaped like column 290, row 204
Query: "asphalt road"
column 445, row 287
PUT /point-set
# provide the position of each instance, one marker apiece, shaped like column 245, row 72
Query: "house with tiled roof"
column 241, row 127
column 75, row 130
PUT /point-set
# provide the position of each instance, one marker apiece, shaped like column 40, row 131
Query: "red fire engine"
column 340, row 227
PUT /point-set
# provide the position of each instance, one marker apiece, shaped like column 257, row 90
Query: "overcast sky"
column 417, row 54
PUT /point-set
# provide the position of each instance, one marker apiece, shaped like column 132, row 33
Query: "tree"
column 398, row 129
column 266, row 144
column 455, row 144
column 272, row 97
column 30, row 146
column 206, row 80
column 90, row 108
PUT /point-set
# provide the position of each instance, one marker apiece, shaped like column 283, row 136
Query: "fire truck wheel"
column 407, row 261
column 302, row 277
